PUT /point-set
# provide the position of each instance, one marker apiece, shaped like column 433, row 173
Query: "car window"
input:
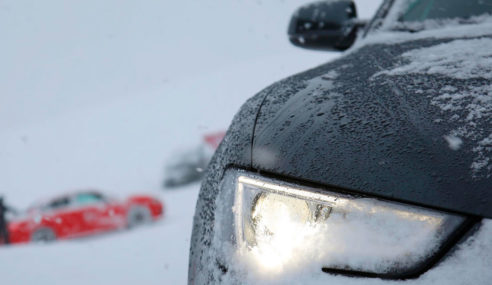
column 421, row 10
column 88, row 198
column 58, row 203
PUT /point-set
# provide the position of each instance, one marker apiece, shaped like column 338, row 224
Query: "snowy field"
column 98, row 93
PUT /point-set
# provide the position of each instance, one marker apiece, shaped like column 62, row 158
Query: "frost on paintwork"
column 460, row 59
column 467, row 105
column 467, row 108
column 484, row 148
column 322, row 84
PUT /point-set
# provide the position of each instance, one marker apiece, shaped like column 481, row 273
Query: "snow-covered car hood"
column 410, row 121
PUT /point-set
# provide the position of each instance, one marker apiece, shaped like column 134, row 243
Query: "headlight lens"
column 281, row 225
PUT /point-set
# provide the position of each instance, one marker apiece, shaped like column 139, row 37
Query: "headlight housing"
column 279, row 226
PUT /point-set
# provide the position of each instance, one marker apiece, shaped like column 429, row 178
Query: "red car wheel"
column 138, row 215
column 43, row 235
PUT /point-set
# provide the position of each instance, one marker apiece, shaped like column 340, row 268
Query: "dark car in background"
column 373, row 168
column 188, row 166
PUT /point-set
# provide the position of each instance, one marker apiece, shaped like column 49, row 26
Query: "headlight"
column 278, row 226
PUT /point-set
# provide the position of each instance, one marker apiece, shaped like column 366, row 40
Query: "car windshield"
column 421, row 10
column 415, row 15
column 88, row 198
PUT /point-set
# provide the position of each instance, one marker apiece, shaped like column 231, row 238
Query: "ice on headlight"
column 281, row 227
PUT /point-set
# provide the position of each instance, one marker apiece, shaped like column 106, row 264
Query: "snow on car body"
column 376, row 165
column 81, row 214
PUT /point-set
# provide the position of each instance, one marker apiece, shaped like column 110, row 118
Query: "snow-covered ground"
column 98, row 93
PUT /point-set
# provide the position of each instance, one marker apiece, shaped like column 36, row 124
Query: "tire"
column 137, row 216
column 43, row 235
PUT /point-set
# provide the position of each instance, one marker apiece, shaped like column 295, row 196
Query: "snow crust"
column 469, row 264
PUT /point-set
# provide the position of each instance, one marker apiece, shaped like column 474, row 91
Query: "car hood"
column 409, row 121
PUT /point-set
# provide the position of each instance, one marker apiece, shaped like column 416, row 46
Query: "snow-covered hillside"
column 98, row 93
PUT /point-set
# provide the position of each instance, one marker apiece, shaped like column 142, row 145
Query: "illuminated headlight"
column 281, row 226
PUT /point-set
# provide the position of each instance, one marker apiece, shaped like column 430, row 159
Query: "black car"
column 373, row 168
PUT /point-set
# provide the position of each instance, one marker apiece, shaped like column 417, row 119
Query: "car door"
column 60, row 215
column 98, row 212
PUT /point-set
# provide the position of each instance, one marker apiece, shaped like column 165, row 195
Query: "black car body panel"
column 235, row 149
column 345, row 124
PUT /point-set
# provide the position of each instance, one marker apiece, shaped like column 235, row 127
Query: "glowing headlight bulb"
column 279, row 225
column 274, row 214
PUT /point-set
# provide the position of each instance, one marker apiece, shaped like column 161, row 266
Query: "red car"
column 81, row 214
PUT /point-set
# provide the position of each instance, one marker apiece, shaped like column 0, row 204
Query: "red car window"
column 88, row 198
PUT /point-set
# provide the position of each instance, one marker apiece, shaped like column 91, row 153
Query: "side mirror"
column 325, row 25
